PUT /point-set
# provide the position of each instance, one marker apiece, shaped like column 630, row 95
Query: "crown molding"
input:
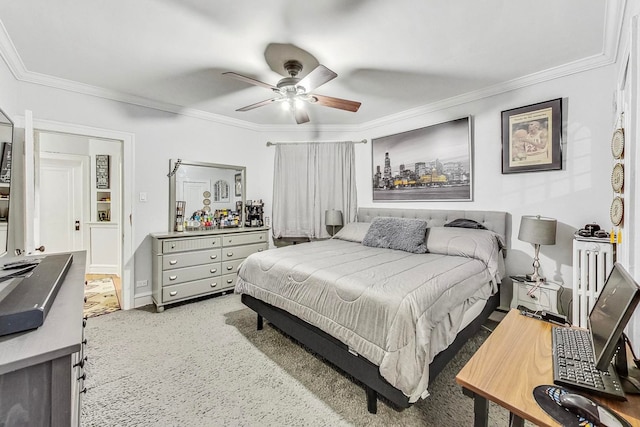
column 614, row 14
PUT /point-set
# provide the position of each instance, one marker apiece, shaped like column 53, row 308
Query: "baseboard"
column 141, row 300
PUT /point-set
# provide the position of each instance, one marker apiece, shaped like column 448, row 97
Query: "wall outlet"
column 142, row 284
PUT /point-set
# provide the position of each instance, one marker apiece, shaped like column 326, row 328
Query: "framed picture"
column 103, row 216
column 532, row 138
column 221, row 191
column 238, row 179
column 426, row 164
column 5, row 163
column 102, row 171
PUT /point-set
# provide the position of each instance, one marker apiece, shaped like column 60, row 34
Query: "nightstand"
column 545, row 297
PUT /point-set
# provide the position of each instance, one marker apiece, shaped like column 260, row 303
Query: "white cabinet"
column 104, row 254
column 543, row 297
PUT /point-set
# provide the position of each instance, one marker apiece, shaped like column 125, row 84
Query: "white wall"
column 159, row 136
column 576, row 195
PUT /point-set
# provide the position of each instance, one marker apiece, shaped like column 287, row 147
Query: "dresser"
column 42, row 370
column 188, row 265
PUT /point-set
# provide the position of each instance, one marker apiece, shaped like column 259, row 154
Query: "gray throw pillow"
column 397, row 233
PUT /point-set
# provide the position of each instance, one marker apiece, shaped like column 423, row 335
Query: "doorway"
column 121, row 209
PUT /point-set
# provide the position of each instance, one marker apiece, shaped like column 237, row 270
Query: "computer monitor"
column 611, row 313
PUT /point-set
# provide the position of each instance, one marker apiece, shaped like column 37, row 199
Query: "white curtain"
column 310, row 178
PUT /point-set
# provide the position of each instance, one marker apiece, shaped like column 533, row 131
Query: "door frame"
column 127, row 139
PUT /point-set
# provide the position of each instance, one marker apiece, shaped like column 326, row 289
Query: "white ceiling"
column 393, row 56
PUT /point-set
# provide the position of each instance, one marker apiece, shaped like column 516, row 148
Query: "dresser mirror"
column 6, row 144
column 198, row 190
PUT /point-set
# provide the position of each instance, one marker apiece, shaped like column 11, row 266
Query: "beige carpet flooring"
column 204, row 364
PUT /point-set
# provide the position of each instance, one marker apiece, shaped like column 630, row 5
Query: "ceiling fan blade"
column 249, row 80
column 316, row 78
column 257, row 104
column 301, row 116
column 342, row 104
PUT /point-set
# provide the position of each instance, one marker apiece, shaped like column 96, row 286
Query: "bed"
column 389, row 299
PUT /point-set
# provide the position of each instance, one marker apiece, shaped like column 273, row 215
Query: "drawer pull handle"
column 213, row 256
column 173, row 246
column 173, row 262
column 214, row 284
column 229, row 253
column 260, row 237
column 230, row 267
column 229, row 281
column 173, row 293
column 213, row 270
column 260, row 250
column 82, row 377
column 173, row 277
column 81, row 362
column 84, row 390
column 533, row 296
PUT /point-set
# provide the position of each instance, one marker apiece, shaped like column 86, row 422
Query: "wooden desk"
column 511, row 363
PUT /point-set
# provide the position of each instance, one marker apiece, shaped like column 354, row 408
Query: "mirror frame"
column 10, row 123
column 174, row 166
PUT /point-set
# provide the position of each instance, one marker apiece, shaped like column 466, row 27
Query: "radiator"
column 592, row 263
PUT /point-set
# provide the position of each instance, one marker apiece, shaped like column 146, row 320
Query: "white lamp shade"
column 538, row 230
column 333, row 217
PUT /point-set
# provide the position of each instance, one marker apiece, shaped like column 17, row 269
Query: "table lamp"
column 333, row 218
column 539, row 231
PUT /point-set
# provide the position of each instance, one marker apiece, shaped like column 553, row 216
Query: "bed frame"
column 338, row 354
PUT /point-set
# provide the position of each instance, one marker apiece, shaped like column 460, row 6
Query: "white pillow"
column 353, row 231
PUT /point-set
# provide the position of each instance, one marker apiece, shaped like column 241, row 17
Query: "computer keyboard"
column 574, row 365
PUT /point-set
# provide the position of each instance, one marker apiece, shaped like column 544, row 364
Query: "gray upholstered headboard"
column 494, row 220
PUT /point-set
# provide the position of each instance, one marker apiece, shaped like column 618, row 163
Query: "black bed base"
column 360, row 368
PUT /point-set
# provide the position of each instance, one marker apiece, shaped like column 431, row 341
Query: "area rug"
column 100, row 297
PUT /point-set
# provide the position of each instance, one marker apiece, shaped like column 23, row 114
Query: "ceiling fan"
column 293, row 90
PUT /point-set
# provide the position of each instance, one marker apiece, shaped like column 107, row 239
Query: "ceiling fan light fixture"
column 292, row 91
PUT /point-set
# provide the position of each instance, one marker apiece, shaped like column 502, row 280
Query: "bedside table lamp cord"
column 535, row 287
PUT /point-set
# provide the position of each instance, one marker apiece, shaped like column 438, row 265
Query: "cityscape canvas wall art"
column 433, row 163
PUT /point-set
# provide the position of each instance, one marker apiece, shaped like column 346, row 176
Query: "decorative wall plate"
column 617, row 210
column 617, row 143
column 206, row 194
column 206, row 202
column 617, row 177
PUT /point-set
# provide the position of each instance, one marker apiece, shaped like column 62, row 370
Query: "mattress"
column 395, row 308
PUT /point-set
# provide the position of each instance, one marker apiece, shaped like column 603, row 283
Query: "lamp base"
column 534, row 277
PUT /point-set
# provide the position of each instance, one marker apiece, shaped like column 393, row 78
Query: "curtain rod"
column 269, row 143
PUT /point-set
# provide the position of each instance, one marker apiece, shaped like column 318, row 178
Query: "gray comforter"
column 395, row 308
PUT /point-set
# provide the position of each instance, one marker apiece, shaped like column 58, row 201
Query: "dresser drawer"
column 188, row 259
column 190, row 289
column 238, row 252
column 231, row 266
column 190, row 244
column 181, row 275
column 244, row 238
column 229, row 280
column 540, row 299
